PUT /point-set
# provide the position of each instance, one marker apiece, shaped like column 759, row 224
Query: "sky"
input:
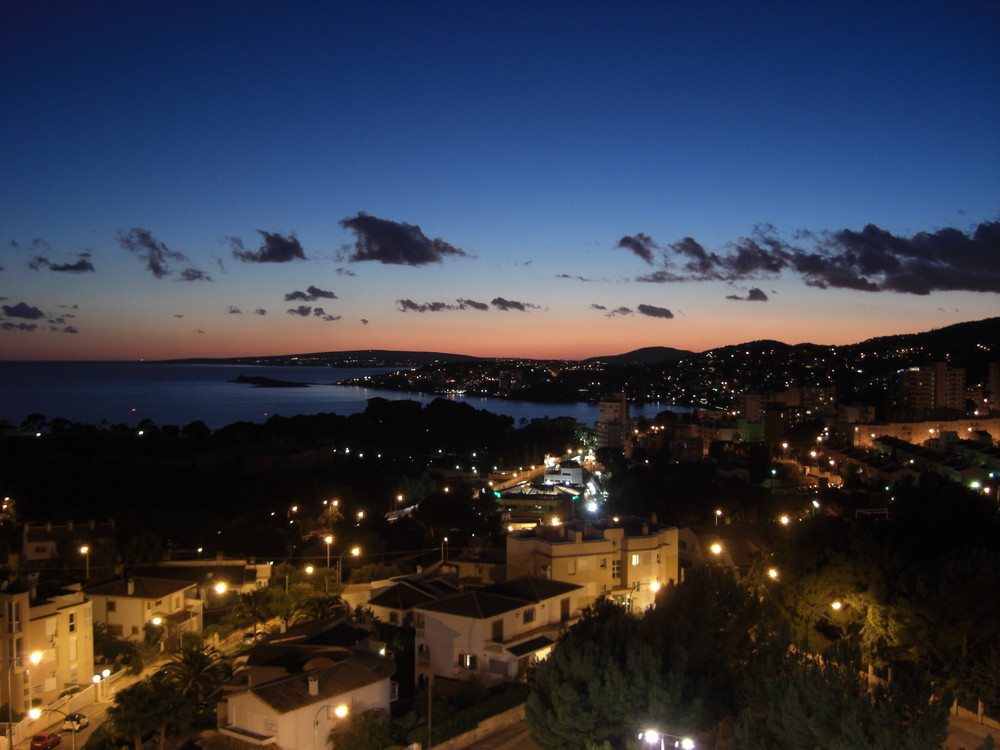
column 181, row 178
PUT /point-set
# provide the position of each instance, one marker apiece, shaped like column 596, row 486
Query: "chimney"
column 69, row 525
column 130, row 587
column 92, row 524
column 652, row 518
column 645, row 529
column 313, row 682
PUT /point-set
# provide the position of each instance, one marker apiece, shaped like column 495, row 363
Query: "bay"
column 178, row 394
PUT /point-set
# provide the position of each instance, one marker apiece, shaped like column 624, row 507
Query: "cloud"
column 82, row 265
column 178, row 315
column 200, row 332
column 306, row 311
column 7, row 326
column 654, row 312
column 754, row 295
column 22, row 310
column 640, row 244
column 595, row 306
column 311, row 294
column 619, row 311
column 569, row 276
column 234, row 310
column 260, row 311
column 364, row 321
column 394, row 242
column 345, row 272
column 408, row 305
column 157, row 256
column 507, row 304
column 274, row 248
column 871, row 260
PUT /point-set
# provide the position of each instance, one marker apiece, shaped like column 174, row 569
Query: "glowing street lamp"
column 329, row 540
column 338, row 712
column 716, row 549
column 221, row 587
column 355, row 551
column 718, row 512
column 655, row 737
column 85, row 551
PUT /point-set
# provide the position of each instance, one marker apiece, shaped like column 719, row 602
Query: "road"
column 962, row 735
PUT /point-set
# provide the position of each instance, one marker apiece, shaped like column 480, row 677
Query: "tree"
column 198, row 673
column 147, row 707
column 367, row 731
column 826, row 703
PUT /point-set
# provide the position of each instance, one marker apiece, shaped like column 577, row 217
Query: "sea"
column 178, row 394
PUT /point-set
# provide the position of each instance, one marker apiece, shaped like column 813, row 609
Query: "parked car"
column 75, row 722
column 251, row 636
column 45, row 740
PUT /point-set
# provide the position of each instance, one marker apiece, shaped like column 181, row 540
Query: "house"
column 627, row 559
column 298, row 686
column 236, row 573
column 733, row 546
column 49, row 646
column 493, row 633
column 44, row 541
column 394, row 601
column 126, row 606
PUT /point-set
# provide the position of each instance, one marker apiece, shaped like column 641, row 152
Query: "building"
column 626, row 559
column 298, row 686
column 127, row 606
column 933, row 387
column 237, row 574
column 48, row 643
column 613, row 422
column 494, row 633
column 44, row 541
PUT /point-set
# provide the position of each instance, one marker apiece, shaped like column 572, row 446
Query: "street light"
column 85, row 551
column 718, row 512
column 355, row 551
column 656, row 737
column 329, row 540
column 339, row 712
column 36, row 713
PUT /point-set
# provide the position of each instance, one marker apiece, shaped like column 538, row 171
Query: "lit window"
column 529, row 614
column 635, row 560
column 469, row 661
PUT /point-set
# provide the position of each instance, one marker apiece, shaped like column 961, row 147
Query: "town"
column 418, row 576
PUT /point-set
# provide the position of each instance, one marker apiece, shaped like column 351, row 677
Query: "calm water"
column 128, row 392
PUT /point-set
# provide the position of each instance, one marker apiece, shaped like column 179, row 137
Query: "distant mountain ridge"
column 939, row 343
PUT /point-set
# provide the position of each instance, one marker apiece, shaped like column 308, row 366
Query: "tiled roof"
column 292, row 693
column 477, row 604
column 401, row 596
column 144, row 588
column 497, row 598
column 531, row 588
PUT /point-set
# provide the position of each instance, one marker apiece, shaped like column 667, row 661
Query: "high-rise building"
column 934, row 387
column 612, row 422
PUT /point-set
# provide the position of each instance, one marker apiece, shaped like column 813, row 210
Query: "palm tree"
column 199, row 672
column 257, row 605
column 147, row 707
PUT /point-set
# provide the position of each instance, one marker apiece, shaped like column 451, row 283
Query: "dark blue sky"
column 209, row 160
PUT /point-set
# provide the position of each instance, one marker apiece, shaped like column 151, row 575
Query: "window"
column 529, row 615
column 468, row 661
column 135, row 630
column 115, row 630
column 571, row 567
column 394, row 618
column 72, row 622
column 112, row 605
column 13, row 617
column 604, row 563
column 616, row 568
column 657, row 558
column 635, row 560
column 497, row 630
column 498, row 667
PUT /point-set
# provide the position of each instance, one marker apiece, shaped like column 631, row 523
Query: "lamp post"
column 654, row 586
column 339, row 712
column 85, row 551
column 329, row 540
column 656, row 737
column 36, row 713
column 355, row 551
